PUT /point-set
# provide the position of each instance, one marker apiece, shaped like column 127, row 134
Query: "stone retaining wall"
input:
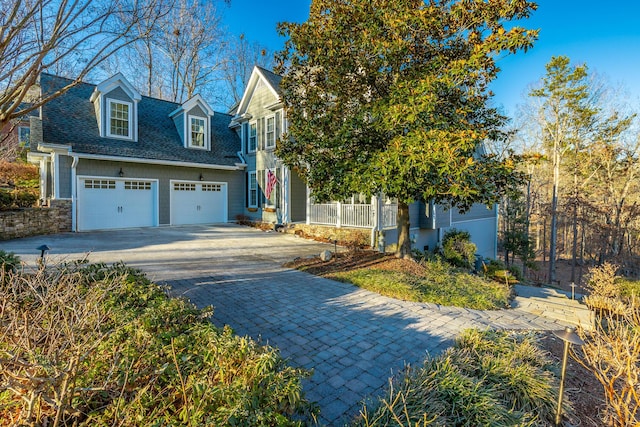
column 36, row 221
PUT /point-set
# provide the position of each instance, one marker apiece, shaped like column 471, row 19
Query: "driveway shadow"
column 352, row 339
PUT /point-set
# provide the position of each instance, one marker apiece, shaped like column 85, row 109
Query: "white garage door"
column 116, row 203
column 198, row 202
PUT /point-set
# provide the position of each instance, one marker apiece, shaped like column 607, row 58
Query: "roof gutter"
column 237, row 166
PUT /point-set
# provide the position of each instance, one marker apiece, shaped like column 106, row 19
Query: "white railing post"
column 308, row 207
column 338, row 215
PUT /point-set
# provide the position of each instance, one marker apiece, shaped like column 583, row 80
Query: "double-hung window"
column 253, row 190
column 119, row 123
column 253, row 136
column 197, row 132
column 270, row 132
column 24, row 136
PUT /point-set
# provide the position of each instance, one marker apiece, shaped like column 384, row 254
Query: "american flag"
column 272, row 180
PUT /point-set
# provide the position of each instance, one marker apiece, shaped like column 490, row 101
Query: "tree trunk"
column 574, row 249
column 526, row 227
column 404, row 239
column 554, row 218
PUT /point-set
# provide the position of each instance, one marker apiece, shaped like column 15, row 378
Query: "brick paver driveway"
column 353, row 340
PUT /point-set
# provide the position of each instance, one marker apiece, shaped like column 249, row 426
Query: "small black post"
column 42, row 249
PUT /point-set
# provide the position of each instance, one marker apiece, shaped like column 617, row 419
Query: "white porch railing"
column 351, row 215
column 389, row 216
column 325, row 214
column 356, row 216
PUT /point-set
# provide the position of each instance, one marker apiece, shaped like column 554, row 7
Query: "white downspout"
column 495, row 243
column 74, row 195
column 55, row 175
column 43, row 180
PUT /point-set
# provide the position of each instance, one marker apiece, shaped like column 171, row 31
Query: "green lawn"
column 436, row 283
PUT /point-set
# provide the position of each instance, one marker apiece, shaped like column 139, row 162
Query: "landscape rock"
column 326, row 256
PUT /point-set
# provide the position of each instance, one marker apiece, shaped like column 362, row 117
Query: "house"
column 259, row 119
column 15, row 138
column 119, row 159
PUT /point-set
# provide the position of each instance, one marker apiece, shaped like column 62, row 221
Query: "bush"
column 457, row 248
column 8, row 261
column 6, row 200
column 23, row 199
column 487, row 378
column 612, row 349
column 18, row 175
column 123, row 353
column 16, row 199
column 498, row 271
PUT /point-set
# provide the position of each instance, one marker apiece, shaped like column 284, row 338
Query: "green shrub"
column 6, row 200
column 9, row 261
column 24, row 199
column 488, row 378
column 498, row 271
column 123, row 353
column 457, row 248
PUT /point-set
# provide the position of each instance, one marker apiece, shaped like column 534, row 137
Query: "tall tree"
column 242, row 55
column 391, row 96
column 563, row 114
column 192, row 39
column 39, row 35
column 571, row 123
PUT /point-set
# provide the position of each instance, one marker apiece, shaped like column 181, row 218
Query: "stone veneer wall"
column 36, row 221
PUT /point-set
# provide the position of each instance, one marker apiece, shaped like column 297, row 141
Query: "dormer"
column 193, row 121
column 115, row 102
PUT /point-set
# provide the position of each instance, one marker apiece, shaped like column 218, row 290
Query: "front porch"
column 376, row 215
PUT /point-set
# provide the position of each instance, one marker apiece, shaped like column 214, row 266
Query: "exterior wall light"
column 120, row 173
column 201, row 177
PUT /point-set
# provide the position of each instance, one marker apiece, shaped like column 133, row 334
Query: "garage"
column 198, row 202
column 105, row 203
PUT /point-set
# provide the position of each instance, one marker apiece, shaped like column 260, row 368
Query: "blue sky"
column 604, row 35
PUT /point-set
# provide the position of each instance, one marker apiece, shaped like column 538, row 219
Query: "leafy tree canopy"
column 391, row 96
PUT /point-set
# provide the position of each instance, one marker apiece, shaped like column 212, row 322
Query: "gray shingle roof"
column 71, row 120
column 273, row 79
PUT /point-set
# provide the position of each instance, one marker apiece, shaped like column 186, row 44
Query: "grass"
column 628, row 287
column 436, row 282
column 123, row 353
column 488, row 378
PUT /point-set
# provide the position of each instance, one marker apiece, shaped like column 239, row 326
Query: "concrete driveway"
column 352, row 339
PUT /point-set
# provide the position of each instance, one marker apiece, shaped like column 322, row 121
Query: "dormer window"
column 116, row 105
column 198, row 132
column 193, row 122
column 119, row 119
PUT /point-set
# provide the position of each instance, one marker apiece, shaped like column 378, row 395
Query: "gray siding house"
column 122, row 160
column 125, row 160
column 260, row 119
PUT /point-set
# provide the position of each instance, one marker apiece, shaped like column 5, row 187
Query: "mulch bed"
column 581, row 387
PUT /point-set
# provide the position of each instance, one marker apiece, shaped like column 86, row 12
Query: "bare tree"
column 242, row 56
column 40, row 35
column 192, row 39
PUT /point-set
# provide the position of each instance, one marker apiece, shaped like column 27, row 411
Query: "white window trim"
column 266, row 138
column 253, row 174
column 206, row 132
column 130, row 119
column 249, row 150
